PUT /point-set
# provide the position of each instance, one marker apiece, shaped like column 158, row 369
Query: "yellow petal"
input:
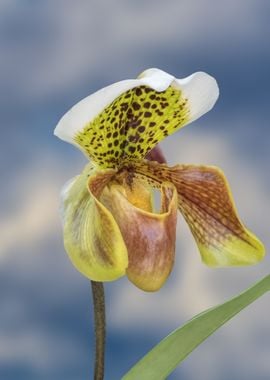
column 206, row 202
column 149, row 237
column 92, row 238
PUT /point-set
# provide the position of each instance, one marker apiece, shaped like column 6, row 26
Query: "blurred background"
column 52, row 54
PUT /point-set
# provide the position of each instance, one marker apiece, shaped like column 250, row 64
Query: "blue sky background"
column 52, row 54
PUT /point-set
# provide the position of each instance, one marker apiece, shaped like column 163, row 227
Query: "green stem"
column 100, row 328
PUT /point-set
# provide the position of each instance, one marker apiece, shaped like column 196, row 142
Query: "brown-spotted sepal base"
column 125, row 121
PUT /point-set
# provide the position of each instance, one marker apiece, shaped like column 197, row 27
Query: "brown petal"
column 149, row 237
column 206, row 202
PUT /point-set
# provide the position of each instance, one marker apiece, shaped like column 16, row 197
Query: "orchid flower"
column 111, row 227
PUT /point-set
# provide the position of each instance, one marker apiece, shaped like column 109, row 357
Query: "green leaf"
column 166, row 355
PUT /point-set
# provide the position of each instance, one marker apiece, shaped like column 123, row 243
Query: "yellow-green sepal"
column 92, row 238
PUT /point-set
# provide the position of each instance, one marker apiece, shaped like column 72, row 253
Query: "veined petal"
column 149, row 237
column 206, row 203
column 126, row 120
column 92, row 238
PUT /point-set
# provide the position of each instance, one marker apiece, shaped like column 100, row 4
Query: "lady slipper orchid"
column 111, row 227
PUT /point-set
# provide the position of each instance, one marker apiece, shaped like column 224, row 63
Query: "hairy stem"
column 100, row 328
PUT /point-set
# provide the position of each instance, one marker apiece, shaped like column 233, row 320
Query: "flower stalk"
column 100, row 328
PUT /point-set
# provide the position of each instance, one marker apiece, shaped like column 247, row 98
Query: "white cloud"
column 35, row 213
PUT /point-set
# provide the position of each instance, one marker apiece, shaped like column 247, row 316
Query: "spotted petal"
column 149, row 237
column 206, row 203
column 92, row 238
column 126, row 120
